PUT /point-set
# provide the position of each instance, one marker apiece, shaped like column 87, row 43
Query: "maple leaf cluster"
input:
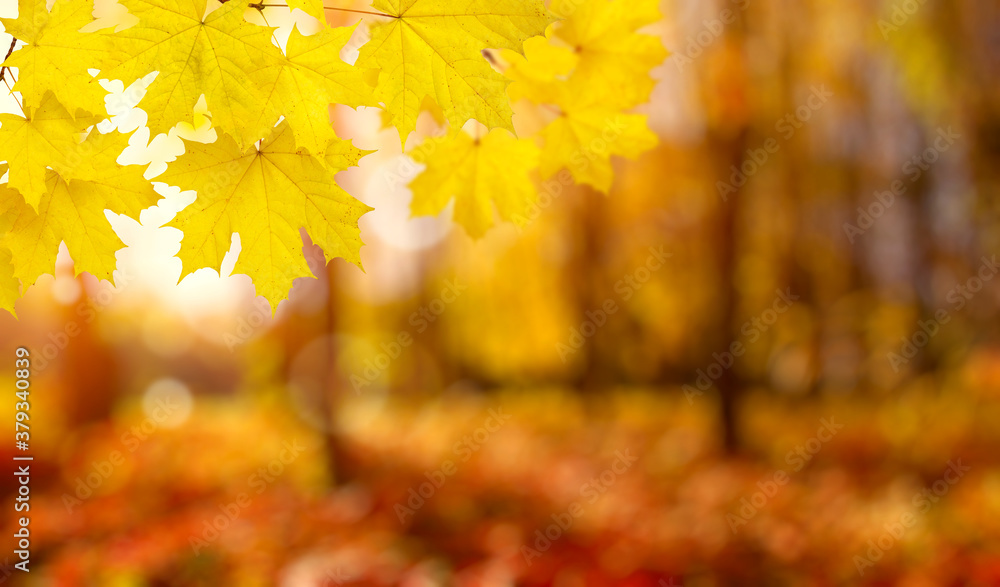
column 271, row 172
column 588, row 71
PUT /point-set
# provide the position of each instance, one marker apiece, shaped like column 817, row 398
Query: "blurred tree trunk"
column 975, row 49
column 589, row 266
column 727, row 138
column 731, row 150
column 341, row 466
column 89, row 371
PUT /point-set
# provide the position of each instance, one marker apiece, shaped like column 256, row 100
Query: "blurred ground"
column 679, row 512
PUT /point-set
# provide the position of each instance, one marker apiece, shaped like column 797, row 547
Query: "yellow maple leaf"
column 266, row 195
column 429, row 106
column 587, row 131
column 611, row 53
column 10, row 287
column 596, row 48
column 46, row 136
column 56, row 56
column 593, row 65
column 434, row 48
column 313, row 8
column 585, row 137
column 541, row 74
column 220, row 55
column 73, row 212
column 311, row 77
column 479, row 174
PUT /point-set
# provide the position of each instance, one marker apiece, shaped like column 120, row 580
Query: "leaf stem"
column 273, row 36
column 11, row 91
column 261, row 5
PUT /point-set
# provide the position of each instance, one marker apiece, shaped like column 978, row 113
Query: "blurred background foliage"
column 331, row 370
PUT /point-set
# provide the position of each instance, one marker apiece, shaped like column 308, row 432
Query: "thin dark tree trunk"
column 341, row 468
column 728, row 384
column 730, row 141
column 588, row 268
